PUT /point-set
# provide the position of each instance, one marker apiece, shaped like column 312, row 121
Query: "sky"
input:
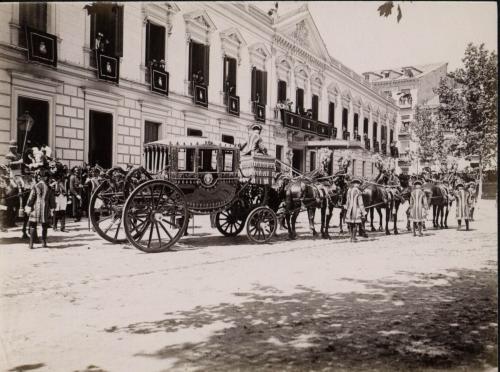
column 429, row 32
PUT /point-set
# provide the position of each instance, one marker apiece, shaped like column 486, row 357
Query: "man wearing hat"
column 418, row 207
column 471, row 188
column 41, row 203
column 355, row 209
column 463, row 199
column 254, row 145
column 75, row 185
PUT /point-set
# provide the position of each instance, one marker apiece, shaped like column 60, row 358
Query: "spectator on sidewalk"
column 75, row 187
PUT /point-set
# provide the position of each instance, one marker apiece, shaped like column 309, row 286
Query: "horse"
column 377, row 195
column 438, row 198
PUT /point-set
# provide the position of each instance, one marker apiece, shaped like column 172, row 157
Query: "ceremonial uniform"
column 40, row 202
column 463, row 200
column 355, row 209
column 76, row 199
column 418, row 207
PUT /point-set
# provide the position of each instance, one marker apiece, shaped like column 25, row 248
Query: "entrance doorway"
column 39, row 134
column 298, row 160
column 100, row 139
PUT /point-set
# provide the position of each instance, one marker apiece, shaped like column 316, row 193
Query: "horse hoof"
column 314, row 233
column 387, row 233
column 396, row 232
column 374, row 229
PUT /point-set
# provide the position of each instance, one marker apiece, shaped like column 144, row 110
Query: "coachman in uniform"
column 464, row 202
column 355, row 209
column 418, row 207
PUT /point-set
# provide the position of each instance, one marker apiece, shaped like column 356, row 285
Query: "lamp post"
column 25, row 123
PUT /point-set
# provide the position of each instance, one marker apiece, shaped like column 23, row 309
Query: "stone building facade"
column 261, row 58
column 409, row 86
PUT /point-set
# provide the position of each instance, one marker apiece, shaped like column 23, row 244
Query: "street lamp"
column 25, row 123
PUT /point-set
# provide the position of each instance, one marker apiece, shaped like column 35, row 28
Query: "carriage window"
column 227, row 159
column 207, row 160
column 185, row 160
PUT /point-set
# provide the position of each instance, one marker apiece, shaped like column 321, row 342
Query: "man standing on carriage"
column 418, row 207
column 255, row 143
column 355, row 209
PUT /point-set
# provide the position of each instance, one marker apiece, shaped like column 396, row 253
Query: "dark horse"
column 439, row 199
column 316, row 190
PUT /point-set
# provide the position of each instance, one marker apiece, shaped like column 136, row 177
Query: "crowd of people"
column 39, row 190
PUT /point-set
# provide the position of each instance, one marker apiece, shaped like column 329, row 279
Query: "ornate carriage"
column 150, row 206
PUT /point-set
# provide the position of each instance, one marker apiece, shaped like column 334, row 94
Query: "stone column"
column 350, row 120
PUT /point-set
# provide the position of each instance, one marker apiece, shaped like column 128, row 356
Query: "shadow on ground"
column 432, row 322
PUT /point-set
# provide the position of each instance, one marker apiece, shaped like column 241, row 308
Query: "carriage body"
column 205, row 172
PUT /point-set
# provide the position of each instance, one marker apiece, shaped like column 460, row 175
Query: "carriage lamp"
column 25, row 122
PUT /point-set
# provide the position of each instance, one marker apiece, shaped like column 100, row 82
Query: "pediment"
column 259, row 54
column 233, row 35
column 298, row 26
column 200, row 18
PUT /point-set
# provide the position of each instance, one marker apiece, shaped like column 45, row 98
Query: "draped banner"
column 159, row 81
column 108, row 67
column 233, row 105
column 42, row 47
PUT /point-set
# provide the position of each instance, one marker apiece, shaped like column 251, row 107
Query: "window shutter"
column 161, row 43
column 254, row 85
column 148, row 42
column 264, row 88
column 206, row 63
column 331, row 113
column 118, row 31
column 190, row 72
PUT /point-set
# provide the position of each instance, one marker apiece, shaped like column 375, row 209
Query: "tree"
column 470, row 107
column 430, row 134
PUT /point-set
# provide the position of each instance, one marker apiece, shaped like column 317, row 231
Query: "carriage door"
column 298, row 160
column 101, row 139
column 38, row 135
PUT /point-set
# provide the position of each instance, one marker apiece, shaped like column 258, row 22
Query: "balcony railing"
column 346, row 136
column 294, row 121
column 376, row 146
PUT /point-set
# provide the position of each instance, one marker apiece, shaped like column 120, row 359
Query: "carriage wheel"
column 231, row 221
column 105, row 212
column 261, row 225
column 155, row 216
column 134, row 178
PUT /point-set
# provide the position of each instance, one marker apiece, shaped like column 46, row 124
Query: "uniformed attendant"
column 418, row 207
column 40, row 204
column 74, row 190
column 471, row 188
column 355, row 209
column 463, row 200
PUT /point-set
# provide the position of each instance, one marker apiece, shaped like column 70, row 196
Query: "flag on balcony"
column 42, row 47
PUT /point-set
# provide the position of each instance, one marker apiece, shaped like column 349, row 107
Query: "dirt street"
column 386, row 303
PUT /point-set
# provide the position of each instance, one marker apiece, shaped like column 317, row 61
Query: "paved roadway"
column 385, row 303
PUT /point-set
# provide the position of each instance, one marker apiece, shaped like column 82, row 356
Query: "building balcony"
column 306, row 125
column 346, row 136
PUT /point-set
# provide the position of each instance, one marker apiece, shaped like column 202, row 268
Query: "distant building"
column 409, row 86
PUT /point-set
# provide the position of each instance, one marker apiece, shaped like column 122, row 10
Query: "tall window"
column 259, row 86
column 315, row 106
column 155, row 45
column 365, row 126
column 279, row 156
column 331, row 113
column 106, row 25
column 281, row 91
column 375, row 131
column 229, row 76
column 32, row 15
column 199, row 63
column 39, row 134
column 345, row 113
column 356, row 124
column 299, row 101
column 353, row 169
column 151, row 131
column 391, row 136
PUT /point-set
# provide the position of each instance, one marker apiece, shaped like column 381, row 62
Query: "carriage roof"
column 187, row 141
